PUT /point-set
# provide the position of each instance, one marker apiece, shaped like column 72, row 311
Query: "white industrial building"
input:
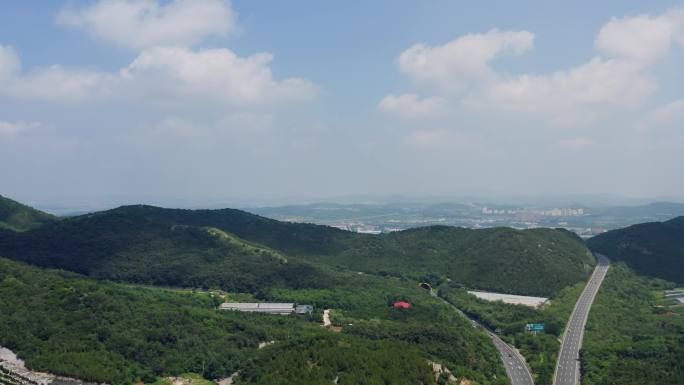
column 259, row 307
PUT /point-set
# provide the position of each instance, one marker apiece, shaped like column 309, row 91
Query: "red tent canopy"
column 402, row 305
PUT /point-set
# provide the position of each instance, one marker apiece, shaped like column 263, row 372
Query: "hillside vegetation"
column 18, row 217
column 655, row 249
column 236, row 250
column 65, row 324
column 533, row 262
column 130, row 246
column 630, row 339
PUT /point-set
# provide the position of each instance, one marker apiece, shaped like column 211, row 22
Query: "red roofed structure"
column 402, row 305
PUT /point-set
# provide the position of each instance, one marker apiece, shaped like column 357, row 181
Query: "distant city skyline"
column 63, row 205
column 106, row 102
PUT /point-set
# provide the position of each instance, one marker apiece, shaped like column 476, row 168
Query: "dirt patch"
column 9, row 356
column 439, row 370
column 669, row 314
column 228, row 380
column 326, row 318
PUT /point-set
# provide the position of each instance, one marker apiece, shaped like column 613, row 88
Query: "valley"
column 233, row 192
column 130, row 294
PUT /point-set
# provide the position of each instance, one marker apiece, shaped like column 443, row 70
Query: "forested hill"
column 533, row 262
column 237, row 250
column 122, row 334
column 145, row 245
column 18, row 217
column 655, row 249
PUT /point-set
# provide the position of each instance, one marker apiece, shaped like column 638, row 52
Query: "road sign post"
column 535, row 328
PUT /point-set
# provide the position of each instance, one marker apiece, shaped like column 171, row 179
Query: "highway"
column 515, row 364
column 567, row 367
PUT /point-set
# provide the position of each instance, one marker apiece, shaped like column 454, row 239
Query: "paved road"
column 567, row 366
column 514, row 362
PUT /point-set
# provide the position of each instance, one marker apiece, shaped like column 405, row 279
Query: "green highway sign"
column 535, row 327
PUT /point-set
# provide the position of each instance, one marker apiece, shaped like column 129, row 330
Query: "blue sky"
column 210, row 99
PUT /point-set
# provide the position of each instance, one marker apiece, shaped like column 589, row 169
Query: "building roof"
column 304, row 309
column 402, row 305
column 257, row 305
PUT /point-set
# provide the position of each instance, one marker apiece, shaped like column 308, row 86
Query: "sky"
column 252, row 100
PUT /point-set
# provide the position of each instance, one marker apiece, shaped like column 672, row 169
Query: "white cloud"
column 261, row 134
column 598, row 82
column 10, row 64
column 462, row 61
column 163, row 75
column 173, row 127
column 669, row 115
column 58, row 84
column 11, row 129
column 51, row 83
column 218, row 74
column 642, row 38
column 437, row 138
column 576, row 144
column 411, row 106
column 620, row 76
column 240, row 125
column 142, row 24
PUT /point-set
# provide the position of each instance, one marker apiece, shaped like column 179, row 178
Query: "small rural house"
column 304, row 309
column 402, row 305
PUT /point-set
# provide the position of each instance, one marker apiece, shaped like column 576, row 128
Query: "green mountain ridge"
column 655, row 249
column 235, row 250
column 533, row 262
column 18, row 217
column 135, row 247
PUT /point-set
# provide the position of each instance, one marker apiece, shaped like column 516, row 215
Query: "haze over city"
column 254, row 101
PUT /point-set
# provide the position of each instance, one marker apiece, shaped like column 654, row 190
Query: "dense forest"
column 235, row 250
column 343, row 360
column 135, row 248
column 633, row 337
column 531, row 262
column 655, row 249
column 364, row 309
column 65, row 324
column 18, row 217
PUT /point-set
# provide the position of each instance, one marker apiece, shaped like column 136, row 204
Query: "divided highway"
column 514, row 363
column 567, row 366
